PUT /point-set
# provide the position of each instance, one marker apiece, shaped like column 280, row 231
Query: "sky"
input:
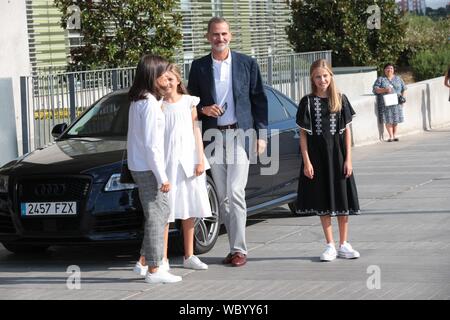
column 434, row 3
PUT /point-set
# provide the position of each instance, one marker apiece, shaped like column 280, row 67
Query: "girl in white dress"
column 185, row 164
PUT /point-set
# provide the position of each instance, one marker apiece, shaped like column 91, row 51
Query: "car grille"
column 6, row 224
column 119, row 222
column 56, row 189
column 52, row 225
column 51, row 190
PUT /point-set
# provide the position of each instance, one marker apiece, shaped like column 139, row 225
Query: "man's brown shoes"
column 236, row 260
column 227, row 259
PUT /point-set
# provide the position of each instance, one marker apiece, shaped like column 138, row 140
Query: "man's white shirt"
column 224, row 89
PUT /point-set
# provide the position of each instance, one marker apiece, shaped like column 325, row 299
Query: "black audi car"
column 69, row 191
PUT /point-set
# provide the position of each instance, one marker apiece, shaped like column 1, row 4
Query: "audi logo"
column 50, row 189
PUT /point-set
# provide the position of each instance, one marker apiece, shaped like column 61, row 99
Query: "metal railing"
column 289, row 74
column 50, row 98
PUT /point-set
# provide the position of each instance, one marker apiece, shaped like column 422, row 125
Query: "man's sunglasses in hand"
column 224, row 108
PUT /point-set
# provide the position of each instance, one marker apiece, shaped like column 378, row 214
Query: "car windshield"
column 108, row 117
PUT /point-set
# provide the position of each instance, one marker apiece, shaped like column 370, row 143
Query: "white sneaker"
column 329, row 254
column 346, row 251
column 193, row 262
column 140, row 269
column 164, row 265
column 161, row 276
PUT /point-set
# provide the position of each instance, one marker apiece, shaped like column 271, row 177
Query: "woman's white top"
column 145, row 139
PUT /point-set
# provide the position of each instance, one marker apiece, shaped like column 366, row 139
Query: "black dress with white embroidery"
column 329, row 192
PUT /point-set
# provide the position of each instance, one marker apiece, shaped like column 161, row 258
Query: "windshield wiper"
column 84, row 138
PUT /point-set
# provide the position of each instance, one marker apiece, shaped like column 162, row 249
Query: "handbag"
column 390, row 99
column 125, row 173
column 401, row 99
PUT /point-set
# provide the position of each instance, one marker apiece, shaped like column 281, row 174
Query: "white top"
column 145, row 139
column 224, row 89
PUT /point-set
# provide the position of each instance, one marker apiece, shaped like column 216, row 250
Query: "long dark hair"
column 149, row 68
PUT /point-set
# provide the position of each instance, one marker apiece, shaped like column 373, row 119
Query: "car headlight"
column 4, row 184
column 115, row 185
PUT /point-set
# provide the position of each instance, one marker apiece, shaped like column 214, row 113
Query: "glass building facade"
column 258, row 28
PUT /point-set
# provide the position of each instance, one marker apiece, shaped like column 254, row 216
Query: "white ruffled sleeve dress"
column 188, row 196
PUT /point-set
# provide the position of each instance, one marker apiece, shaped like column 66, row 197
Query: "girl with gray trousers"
column 145, row 148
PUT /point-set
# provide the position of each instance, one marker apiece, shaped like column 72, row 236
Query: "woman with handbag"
column 146, row 161
column 390, row 90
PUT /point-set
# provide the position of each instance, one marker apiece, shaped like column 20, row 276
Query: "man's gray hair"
column 215, row 20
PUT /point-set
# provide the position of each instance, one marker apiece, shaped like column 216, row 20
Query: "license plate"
column 48, row 208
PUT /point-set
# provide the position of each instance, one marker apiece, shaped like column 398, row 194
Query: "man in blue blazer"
column 232, row 103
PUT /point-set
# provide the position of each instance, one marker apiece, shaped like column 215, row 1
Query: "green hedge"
column 423, row 33
column 430, row 63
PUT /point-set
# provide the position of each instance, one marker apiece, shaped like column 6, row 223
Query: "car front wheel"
column 206, row 230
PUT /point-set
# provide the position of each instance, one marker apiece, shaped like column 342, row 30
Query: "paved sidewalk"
column 403, row 236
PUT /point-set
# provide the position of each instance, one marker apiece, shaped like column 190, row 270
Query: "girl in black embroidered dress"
column 326, row 183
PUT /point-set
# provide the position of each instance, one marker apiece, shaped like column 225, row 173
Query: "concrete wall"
column 427, row 107
column 14, row 62
column 8, row 136
column 355, row 84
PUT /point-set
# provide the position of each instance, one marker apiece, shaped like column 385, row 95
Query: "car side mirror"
column 58, row 129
